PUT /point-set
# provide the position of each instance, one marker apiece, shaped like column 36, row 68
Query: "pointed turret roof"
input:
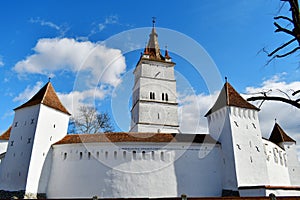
column 230, row 97
column 46, row 96
column 278, row 135
column 6, row 134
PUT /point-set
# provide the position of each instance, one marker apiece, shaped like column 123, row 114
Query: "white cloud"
column 75, row 99
column 28, row 92
column 1, row 61
column 62, row 29
column 72, row 101
column 192, row 110
column 112, row 19
column 96, row 62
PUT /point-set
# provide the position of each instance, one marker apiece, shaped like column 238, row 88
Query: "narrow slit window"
column 162, row 96
column 152, row 155
column 80, row 155
column 115, row 155
column 162, row 156
column 89, row 155
column 143, row 155
column 167, row 97
column 134, row 155
column 65, row 156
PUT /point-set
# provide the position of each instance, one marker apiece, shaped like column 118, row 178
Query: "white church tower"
column 234, row 122
column 37, row 124
column 154, row 99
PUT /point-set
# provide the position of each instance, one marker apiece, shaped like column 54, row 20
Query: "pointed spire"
column 278, row 135
column 230, row 97
column 47, row 96
column 167, row 54
column 153, row 47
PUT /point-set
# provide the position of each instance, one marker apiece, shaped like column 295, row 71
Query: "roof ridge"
column 46, row 96
column 278, row 135
column 228, row 96
column 47, row 87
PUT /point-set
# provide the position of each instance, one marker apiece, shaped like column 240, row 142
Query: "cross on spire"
column 153, row 21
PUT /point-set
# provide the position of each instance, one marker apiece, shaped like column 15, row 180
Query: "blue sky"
column 47, row 38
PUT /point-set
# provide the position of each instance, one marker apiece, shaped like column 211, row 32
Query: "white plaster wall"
column 3, row 146
column 292, row 163
column 220, row 129
column 145, row 128
column 251, row 168
column 150, row 69
column 158, row 86
column 134, row 170
column 14, row 168
column 158, row 114
column 51, row 127
column 276, row 165
column 278, row 192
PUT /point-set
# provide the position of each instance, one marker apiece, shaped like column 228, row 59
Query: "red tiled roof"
column 46, row 96
column 230, row 97
column 6, row 134
column 135, row 137
column 278, row 135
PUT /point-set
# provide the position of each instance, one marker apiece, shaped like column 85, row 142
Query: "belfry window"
column 152, row 95
column 164, row 96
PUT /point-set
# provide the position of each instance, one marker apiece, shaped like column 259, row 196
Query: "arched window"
column 153, row 94
column 80, row 155
column 167, row 97
column 162, row 96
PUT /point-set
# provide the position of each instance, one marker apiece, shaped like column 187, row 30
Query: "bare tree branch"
column 288, row 53
column 281, row 47
column 296, row 92
column 283, row 17
column 90, row 121
column 280, row 29
column 275, row 98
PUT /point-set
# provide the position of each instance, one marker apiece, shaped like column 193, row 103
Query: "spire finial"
column 226, row 79
column 275, row 120
column 153, row 21
column 49, row 79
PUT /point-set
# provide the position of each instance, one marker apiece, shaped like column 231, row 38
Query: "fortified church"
column 153, row 159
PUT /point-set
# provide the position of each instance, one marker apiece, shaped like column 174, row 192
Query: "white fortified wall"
column 126, row 170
